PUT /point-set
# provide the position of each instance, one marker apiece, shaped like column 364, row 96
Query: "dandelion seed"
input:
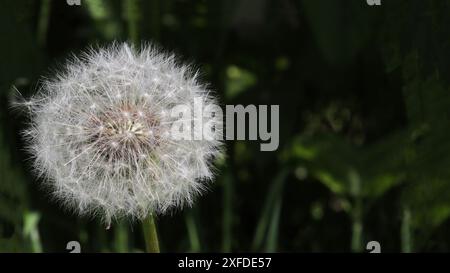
column 106, row 150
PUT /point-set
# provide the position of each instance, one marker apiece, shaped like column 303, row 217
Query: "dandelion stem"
column 150, row 234
column 121, row 237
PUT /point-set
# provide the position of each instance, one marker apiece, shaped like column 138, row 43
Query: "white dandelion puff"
column 99, row 136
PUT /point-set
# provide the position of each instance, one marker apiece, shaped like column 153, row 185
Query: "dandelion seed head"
column 99, row 134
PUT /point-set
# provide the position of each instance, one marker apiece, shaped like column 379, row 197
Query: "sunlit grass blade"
column 31, row 230
column 406, row 231
column 121, row 237
column 274, row 226
column 274, row 194
column 192, row 229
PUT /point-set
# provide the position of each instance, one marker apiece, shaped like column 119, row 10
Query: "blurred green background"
column 364, row 122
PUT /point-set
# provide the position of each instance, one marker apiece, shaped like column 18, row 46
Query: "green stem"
column 133, row 16
column 267, row 228
column 357, row 212
column 150, row 235
column 44, row 18
column 121, row 237
column 357, row 227
column 273, row 229
column 192, row 232
column 406, row 231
